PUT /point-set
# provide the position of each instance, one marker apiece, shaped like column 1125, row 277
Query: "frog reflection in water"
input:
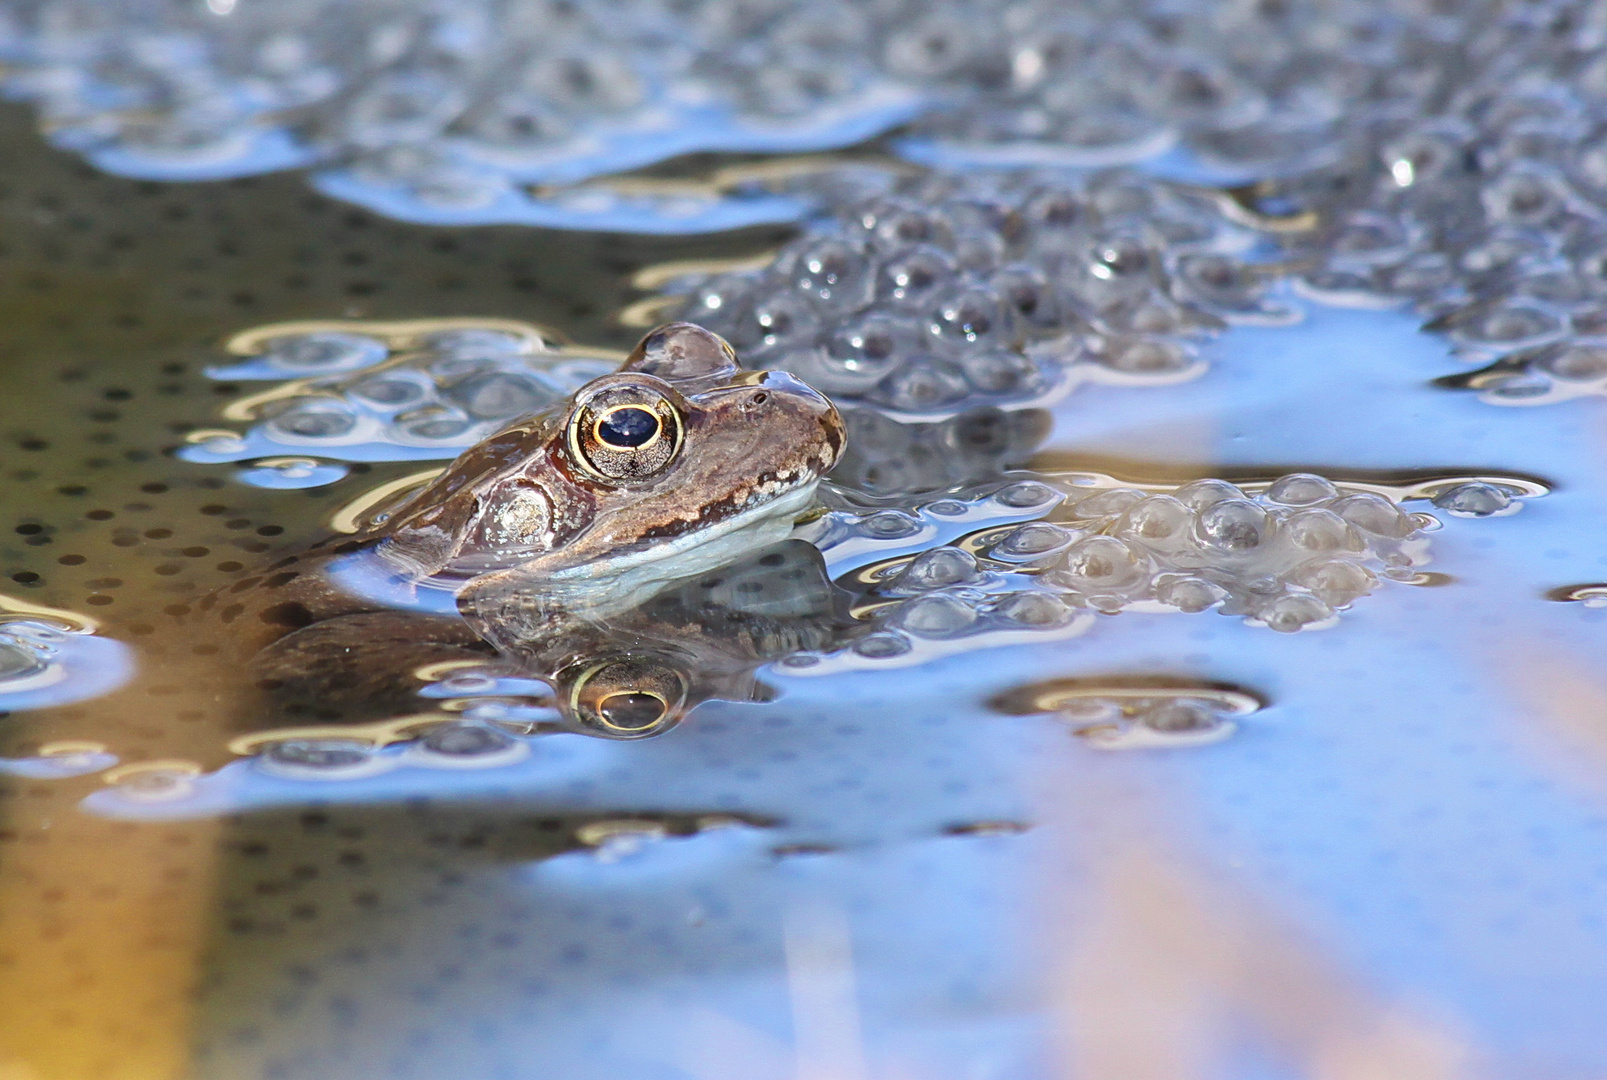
column 549, row 536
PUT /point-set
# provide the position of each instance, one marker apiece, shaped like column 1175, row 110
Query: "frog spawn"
column 1144, row 714
column 994, row 289
column 1486, row 213
column 1289, row 555
column 477, row 111
column 355, row 391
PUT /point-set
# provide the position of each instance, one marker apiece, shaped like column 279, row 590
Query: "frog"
column 672, row 464
column 677, row 463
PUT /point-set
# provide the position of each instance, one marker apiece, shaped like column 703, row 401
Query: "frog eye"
column 627, row 697
column 625, row 429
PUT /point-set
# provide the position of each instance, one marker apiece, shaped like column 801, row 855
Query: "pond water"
column 958, row 794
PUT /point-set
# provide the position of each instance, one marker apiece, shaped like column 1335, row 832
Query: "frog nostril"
column 760, row 398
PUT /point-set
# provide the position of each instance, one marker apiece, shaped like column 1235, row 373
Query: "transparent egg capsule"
column 1037, row 610
column 865, row 351
column 1336, row 582
column 1295, row 612
column 1033, row 541
column 1155, row 519
column 969, row 316
column 1099, row 565
column 835, row 273
column 1187, row 593
column 1233, row 526
column 314, row 420
column 500, row 395
column 319, row 353
column 938, row 615
column 1199, row 494
column 1026, row 494
column 1374, row 514
column 1301, row 489
column 1580, row 361
column 916, row 277
column 883, row 645
column 922, row 384
column 937, row 569
column 1476, row 500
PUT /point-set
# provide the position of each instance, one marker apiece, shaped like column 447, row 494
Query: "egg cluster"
column 993, row 289
column 1486, row 210
column 400, row 392
column 485, row 110
column 1289, row 555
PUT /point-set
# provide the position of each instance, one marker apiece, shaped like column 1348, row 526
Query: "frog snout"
column 790, row 391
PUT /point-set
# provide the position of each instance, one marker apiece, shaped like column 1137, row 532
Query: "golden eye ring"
column 624, row 434
column 617, row 421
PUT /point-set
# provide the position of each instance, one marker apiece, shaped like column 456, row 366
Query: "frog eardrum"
column 625, row 428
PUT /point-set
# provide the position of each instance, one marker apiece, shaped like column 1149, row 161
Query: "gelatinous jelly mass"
column 480, row 111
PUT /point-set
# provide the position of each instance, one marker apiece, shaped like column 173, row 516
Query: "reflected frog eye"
column 623, row 431
column 627, row 697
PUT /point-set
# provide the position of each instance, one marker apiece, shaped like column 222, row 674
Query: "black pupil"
column 628, row 428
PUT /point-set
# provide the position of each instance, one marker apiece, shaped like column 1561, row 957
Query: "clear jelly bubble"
column 884, row 645
column 1033, row 609
column 313, row 422
column 1301, row 489
column 1190, row 594
column 1474, row 500
column 1288, row 614
column 1336, row 582
column 1033, row 541
column 467, row 740
column 1100, row 563
column 1107, row 504
column 938, row 568
column 1319, row 530
column 291, row 473
column 500, row 395
column 890, row 525
column 1154, row 519
column 1233, row 526
column 937, row 616
column 1579, row 362
column 1374, row 514
column 323, row 353
column 18, row 662
column 1025, row 495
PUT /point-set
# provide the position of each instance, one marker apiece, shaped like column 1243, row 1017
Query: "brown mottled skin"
column 323, row 654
